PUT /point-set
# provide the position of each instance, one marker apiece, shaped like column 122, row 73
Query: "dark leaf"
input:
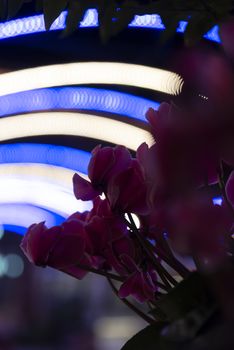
column 148, row 339
column 184, row 298
column 123, row 17
column 188, row 327
column 171, row 24
column 106, row 13
column 13, row 7
column 197, row 26
column 52, row 9
column 76, row 12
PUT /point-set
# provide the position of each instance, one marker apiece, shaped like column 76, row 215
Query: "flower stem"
column 222, row 187
column 163, row 273
column 130, row 305
column 170, row 258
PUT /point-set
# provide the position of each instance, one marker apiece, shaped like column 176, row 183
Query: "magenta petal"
column 151, row 116
column 78, row 272
column 73, row 227
column 67, row 252
column 122, row 160
column 98, row 235
column 75, row 272
column 70, row 246
column 38, row 242
column 100, row 163
column 230, row 188
column 157, row 118
column 127, row 191
column 83, row 189
column 127, row 287
column 78, row 216
column 139, row 285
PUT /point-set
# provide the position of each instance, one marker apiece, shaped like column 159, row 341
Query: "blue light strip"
column 16, row 229
column 76, row 98
column 35, row 24
column 62, row 156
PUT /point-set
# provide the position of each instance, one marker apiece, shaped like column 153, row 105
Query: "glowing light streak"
column 18, row 217
column 38, row 193
column 59, row 156
column 76, row 98
column 77, row 124
column 91, row 73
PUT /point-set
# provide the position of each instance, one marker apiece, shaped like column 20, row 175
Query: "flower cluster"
column 150, row 207
column 167, row 187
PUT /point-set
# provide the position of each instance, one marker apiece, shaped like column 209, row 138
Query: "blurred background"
column 51, row 120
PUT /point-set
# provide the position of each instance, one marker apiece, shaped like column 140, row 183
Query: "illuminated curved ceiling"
column 36, row 179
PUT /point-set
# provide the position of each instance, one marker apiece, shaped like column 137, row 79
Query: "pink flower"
column 108, row 238
column 120, row 249
column 140, row 285
column 70, row 247
column 100, row 208
column 127, row 191
column 105, row 163
column 98, row 234
column 154, row 224
column 38, row 242
column 61, row 247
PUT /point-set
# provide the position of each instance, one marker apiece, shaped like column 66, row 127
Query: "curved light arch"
column 36, row 192
column 18, row 217
column 76, row 124
column 49, row 174
column 77, row 98
column 35, row 24
column 91, row 73
column 61, row 157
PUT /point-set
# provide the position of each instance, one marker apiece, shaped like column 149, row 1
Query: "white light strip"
column 24, row 215
column 77, row 124
column 50, row 174
column 91, row 73
column 44, row 195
